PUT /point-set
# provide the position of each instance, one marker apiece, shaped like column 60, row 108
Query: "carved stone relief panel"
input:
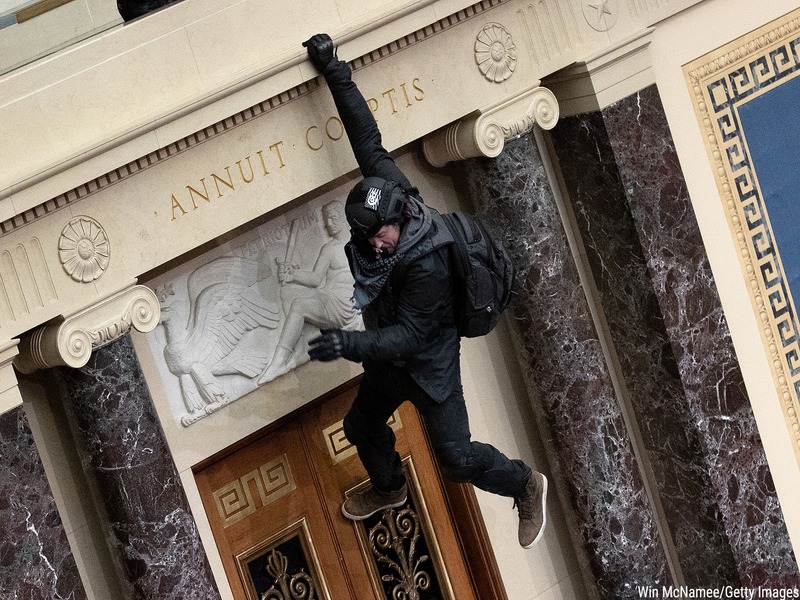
column 241, row 315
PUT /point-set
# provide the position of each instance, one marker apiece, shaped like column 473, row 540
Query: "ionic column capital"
column 484, row 133
column 70, row 342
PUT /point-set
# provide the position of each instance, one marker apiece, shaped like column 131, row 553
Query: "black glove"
column 327, row 346
column 321, row 51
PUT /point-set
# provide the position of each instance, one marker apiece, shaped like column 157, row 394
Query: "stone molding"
column 606, row 77
column 70, row 342
column 485, row 133
column 223, row 125
column 9, row 392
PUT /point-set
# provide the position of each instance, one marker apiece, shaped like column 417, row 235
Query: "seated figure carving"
column 329, row 305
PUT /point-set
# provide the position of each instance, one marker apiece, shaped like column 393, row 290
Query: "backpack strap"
column 443, row 234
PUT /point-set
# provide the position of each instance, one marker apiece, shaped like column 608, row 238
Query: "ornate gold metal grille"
column 402, row 551
column 283, row 567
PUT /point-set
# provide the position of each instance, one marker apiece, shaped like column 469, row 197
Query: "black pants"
column 447, row 423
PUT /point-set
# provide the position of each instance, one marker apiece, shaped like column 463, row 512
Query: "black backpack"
column 483, row 273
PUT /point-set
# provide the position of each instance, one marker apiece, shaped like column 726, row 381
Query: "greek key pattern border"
column 339, row 447
column 719, row 83
column 272, row 480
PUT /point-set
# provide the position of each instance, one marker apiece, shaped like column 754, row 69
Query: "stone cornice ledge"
column 279, row 79
column 134, row 135
column 70, row 341
column 485, row 133
column 604, row 77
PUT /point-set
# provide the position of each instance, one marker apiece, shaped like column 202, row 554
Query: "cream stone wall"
column 224, row 57
column 685, row 37
column 282, row 139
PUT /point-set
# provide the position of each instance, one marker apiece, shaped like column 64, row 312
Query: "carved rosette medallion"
column 84, row 249
column 495, row 53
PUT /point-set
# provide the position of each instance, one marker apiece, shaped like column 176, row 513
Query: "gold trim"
column 39, row 8
column 415, row 492
column 299, row 527
column 756, row 57
column 234, row 500
column 339, row 447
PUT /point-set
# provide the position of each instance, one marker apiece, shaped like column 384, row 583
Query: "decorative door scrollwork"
column 283, row 567
column 402, row 550
column 297, row 586
column 395, row 542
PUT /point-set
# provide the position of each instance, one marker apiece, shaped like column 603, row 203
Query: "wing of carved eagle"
column 225, row 304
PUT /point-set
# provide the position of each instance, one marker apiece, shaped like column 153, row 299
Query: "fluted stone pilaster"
column 612, row 523
column 150, row 526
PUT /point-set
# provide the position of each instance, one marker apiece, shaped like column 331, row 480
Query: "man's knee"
column 456, row 462
column 353, row 426
column 359, row 425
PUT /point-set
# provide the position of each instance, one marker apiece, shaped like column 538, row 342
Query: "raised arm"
column 359, row 124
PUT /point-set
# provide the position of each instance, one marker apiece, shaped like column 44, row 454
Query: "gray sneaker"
column 532, row 510
column 368, row 501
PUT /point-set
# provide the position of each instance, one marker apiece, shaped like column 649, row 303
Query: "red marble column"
column 36, row 562
column 149, row 524
column 610, row 518
column 671, row 337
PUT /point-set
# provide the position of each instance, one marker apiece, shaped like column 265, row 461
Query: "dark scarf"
column 371, row 275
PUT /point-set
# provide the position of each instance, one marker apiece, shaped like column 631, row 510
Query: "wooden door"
column 274, row 505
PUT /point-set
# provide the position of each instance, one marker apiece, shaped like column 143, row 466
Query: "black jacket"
column 411, row 322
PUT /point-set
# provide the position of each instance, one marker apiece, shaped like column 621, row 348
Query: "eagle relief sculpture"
column 242, row 321
column 203, row 334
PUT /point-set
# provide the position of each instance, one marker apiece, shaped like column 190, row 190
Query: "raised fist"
column 321, row 50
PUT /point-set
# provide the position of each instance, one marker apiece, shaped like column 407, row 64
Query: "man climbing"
column 410, row 349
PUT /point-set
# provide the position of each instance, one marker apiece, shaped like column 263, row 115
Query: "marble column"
column 36, row 562
column 150, row 526
column 592, row 459
column 666, row 324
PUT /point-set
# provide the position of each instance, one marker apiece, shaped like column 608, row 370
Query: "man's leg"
column 365, row 427
column 483, row 465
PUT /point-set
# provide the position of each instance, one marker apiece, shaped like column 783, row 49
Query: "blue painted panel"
column 771, row 126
